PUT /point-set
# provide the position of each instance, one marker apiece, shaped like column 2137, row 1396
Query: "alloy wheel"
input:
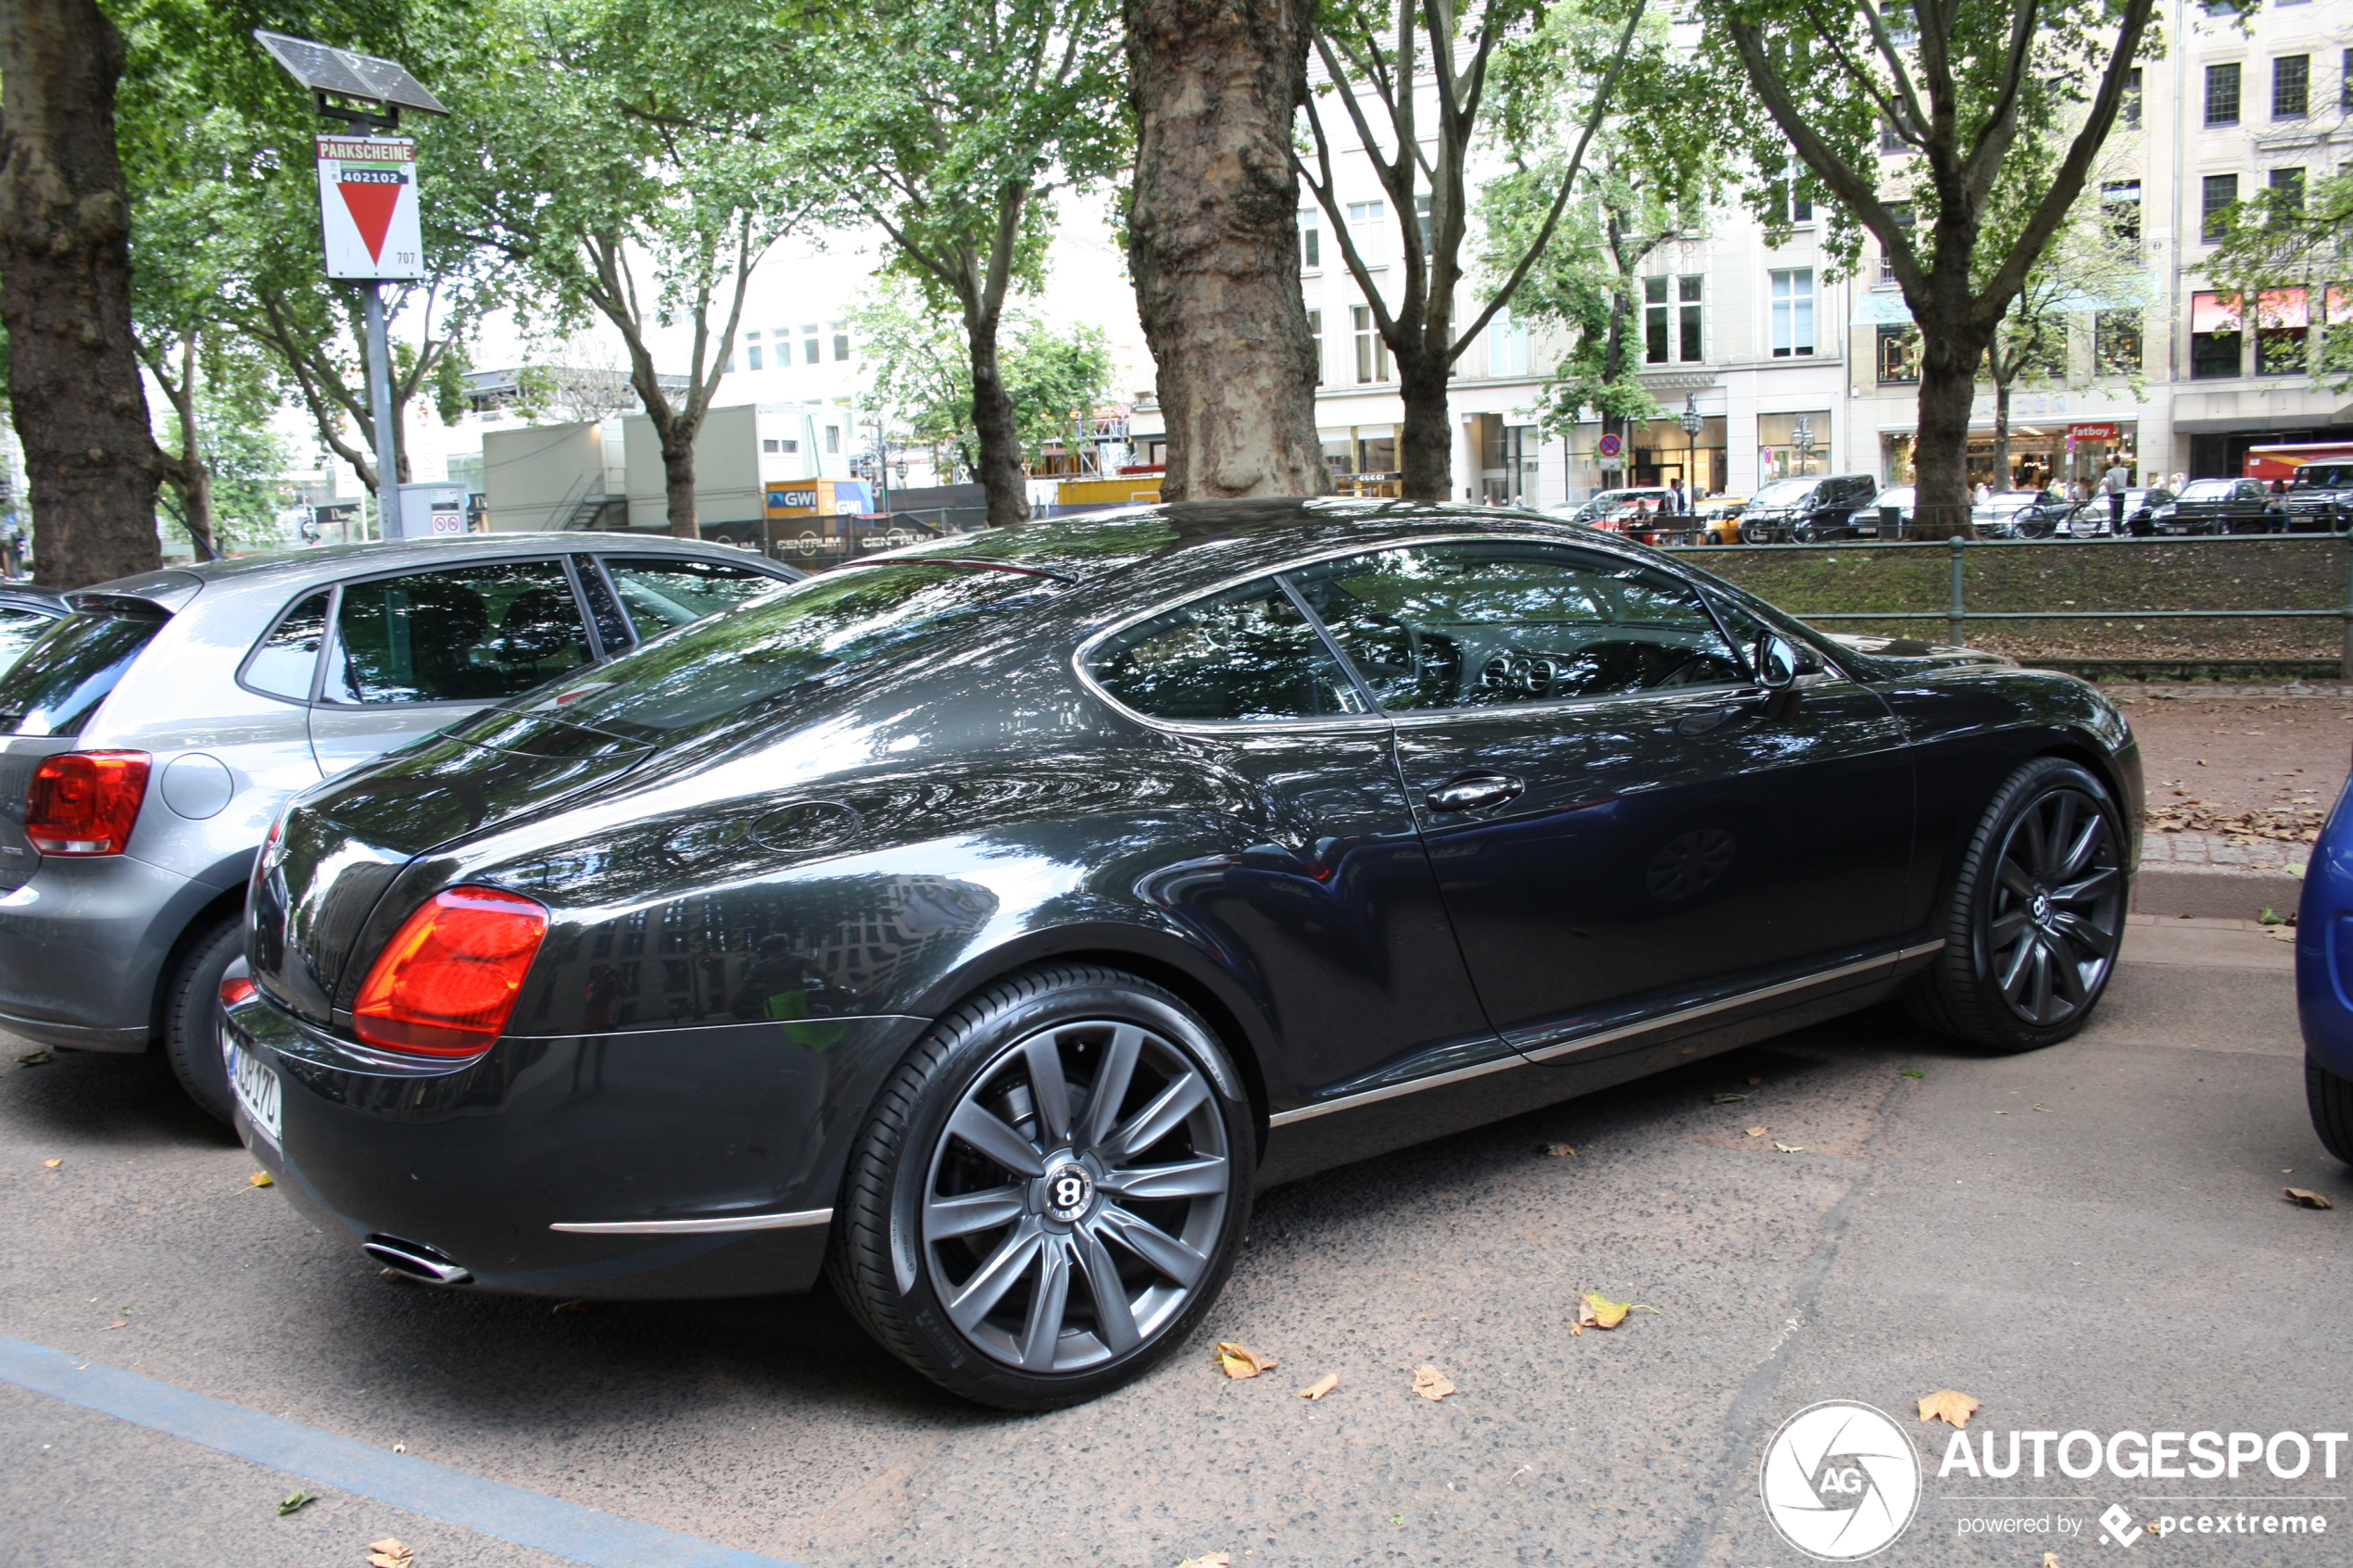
column 1075, row 1196
column 2057, row 915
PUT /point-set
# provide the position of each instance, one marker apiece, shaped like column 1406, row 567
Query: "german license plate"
column 256, row 1086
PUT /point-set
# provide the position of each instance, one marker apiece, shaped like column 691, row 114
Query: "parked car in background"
column 982, row 923
column 1808, row 511
column 2324, row 979
column 2320, row 499
column 25, row 614
column 1610, row 508
column 1874, row 512
column 1720, row 519
column 148, row 738
column 2222, row 505
column 2020, row 514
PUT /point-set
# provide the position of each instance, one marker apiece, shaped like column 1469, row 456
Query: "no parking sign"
column 1610, row 445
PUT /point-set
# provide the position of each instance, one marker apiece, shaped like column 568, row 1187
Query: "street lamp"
column 1691, row 421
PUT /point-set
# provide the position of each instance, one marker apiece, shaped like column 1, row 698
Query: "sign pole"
column 388, row 521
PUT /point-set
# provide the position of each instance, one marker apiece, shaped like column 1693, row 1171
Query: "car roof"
column 1242, row 535
column 173, row 586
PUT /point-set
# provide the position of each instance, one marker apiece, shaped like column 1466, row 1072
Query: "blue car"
column 2324, row 980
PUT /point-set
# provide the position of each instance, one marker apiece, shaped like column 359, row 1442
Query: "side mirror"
column 1780, row 662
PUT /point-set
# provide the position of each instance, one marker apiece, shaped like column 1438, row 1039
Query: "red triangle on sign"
column 371, row 205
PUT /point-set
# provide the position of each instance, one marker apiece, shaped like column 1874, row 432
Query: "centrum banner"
column 368, row 207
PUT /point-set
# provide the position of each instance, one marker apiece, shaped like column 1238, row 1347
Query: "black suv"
column 1808, row 511
column 2222, row 505
column 2321, row 498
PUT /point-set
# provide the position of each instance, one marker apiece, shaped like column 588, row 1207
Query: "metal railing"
column 1957, row 614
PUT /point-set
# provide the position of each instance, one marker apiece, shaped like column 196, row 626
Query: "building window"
column 2282, row 318
column 833, row 438
column 1422, row 222
column 2116, row 343
column 1316, row 342
column 1890, row 139
column 1790, row 201
column 2287, row 195
column 1364, row 224
column 2222, row 94
column 808, row 355
column 2219, row 192
column 1671, row 320
column 768, row 444
column 1311, row 240
column 841, row 340
column 2344, row 82
column 2215, row 340
column 1887, row 278
column 2120, row 211
column 1506, row 347
column 1792, row 312
column 2291, row 86
column 1372, row 354
column 1899, row 356
column 2129, row 110
column 751, row 351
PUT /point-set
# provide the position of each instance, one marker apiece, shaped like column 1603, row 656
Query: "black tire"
column 192, row 1014
column 918, row 1260
column 2033, row 933
column 2331, row 1100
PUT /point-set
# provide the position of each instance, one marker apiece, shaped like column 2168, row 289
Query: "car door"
column 410, row 652
column 1617, row 816
column 1316, row 882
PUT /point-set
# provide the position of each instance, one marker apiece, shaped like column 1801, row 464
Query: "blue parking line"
column 584, row 1535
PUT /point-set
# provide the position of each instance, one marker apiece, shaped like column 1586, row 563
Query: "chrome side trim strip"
column 701, row 1227
column 1586, row 1041
column 1351, row 1102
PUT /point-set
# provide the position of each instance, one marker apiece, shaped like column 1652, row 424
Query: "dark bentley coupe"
column 982, row 923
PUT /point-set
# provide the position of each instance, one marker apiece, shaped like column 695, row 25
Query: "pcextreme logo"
column 1839, row 1481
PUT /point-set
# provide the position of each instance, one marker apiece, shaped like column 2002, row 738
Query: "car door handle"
column 1474, row 792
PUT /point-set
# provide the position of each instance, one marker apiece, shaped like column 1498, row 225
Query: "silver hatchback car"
column 148, row 739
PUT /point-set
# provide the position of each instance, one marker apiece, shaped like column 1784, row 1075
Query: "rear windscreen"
column 61, row 678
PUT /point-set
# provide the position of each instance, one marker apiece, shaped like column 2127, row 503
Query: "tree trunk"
column 1425, row 441
column 91, row 460
column 1213, row 244
column 2001, row 430
column 1940, row 449
column 677, row 438
column 189, row 475
column 1000, row 432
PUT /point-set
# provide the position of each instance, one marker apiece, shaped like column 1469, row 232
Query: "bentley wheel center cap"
column 2040, row 909
column 1070, row 1188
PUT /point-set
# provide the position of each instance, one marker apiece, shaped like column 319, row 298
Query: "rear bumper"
column 82, row 945
column 729, row 1138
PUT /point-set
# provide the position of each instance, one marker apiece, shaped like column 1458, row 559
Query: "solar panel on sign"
column 324, row 69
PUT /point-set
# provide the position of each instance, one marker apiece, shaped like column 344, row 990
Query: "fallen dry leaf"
column 1558, row 1149
column 295, row 1500
column 1603, row 1313
column 1208, row 1559
column 1727, row 1100
column 2050, row 1560
column 1756, row 1132
column 1789, row 1149
column 52, row 1165
column 1431, row 1383
column 390, row 1553
column 1951, row 1408
column 1241, row 1361
column 2304, row 1199
column 33, row 1058
column 261, row 1179
column 1321, row 1387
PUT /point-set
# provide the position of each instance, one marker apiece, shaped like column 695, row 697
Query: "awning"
column 1881, row 307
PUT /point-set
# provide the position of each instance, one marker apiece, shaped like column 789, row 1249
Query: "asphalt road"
column 2090, row 1237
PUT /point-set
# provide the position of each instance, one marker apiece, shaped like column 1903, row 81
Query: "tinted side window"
column 471, row 633
column 284, row 662
column 662, row 592
column 17, row 630
column 63, row 677
column 1247, row 654
column 1469, row 625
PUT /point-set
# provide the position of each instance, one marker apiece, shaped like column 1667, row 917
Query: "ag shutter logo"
column 1839, row 1481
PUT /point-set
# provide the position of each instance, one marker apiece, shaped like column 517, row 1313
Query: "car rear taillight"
column 446, row 980
column 84, row 802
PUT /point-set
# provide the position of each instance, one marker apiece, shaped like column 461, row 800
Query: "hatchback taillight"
column 84, row 802
column 446, row 980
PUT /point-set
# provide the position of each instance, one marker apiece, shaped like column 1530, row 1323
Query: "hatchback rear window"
column 58, row 684
column 836, row 624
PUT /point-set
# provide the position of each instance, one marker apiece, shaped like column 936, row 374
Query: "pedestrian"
column 1984, row 491
column 2117, row 480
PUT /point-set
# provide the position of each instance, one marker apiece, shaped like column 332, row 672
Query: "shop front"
column 2043, row 455
column 1793, row 446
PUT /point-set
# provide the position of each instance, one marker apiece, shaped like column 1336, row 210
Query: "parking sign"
column 368, row 207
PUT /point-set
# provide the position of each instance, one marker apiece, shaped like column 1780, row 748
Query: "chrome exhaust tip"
column 417, row 1260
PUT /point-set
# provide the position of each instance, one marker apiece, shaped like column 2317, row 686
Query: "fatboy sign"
column 368, row 208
